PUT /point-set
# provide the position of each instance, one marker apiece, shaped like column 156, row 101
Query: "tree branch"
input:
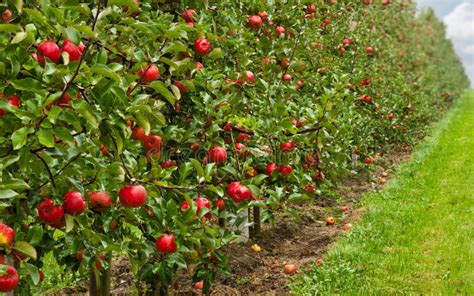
column 50, row 174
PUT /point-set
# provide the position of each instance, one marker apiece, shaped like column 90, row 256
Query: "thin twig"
column 76, row 73
column 50, row 174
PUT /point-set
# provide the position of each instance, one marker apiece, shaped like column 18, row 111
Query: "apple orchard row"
column 100, row 101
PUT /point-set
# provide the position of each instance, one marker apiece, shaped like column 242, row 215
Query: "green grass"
column 417, row 236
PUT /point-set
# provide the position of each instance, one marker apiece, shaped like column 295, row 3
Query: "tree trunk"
column 94, row 288
column 257, row 226
column 105, row 283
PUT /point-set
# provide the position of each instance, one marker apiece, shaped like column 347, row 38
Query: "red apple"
column 185, row 206
column 153, row 142
column 369, row 50
column 319, row 261
column 271, row 167
column 2, row 259
column 199, row 285
column 188, row 15
column 367, row 2
column 7, row 234
column 202, row 202
column 104, row 149
column 285, row 170
column 50, row 50
column 199, row 66
column 251, row 173
column 167, row 164
column 241, row 151
column 286, row 77
column 149, row 73
column 133, row 196
column 195, row 146
column 341, row 48
column 299, row 84
column 346, row 41
column 59, row 224
column 239, row 192
column 243, row 137
column 166, row 244
column 368, row 160
column 9, row 281
column 255, row 21
column 217, row 154
column 345, row 209
column 263, row 15
column 280, row 30
column 311, row 8
column 138, row 134
column 249, row 77
column 49, row 213
column 80, row 255
column 181, row 86
column 228, row 127
column 287, row 147
column 391, row 116
column 98, row 262
column 219, row 203
column 309, row 188
column 99, row 201
column 284, row 63
column 347, row 226
column 202, row 46
column 74, row 52
column 290, row 269
column 330, row 221
column 7, row 15
column 74, row 203
column 365, row 99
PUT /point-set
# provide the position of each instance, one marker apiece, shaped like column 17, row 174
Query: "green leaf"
column 8, row 160
column 142, row 121
column 73, row 35
column 34, row 273
column 26, row 249
column 28, row 84
column 172, row 208
column 14, row 184
column 105, row 71
column 20, row 136
column 3, row 269
column 19, row 5
column 19, row 37
column 86, row 111
column 46, row 137
column 198, row 167
column 63, row 134
column 160, row 87
column 176, row 92
column 184, row 171
column 35, row 235
column 7, row 194
column 69, row 222
column 10, row 28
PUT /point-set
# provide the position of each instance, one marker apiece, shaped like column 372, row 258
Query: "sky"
column 459, row 18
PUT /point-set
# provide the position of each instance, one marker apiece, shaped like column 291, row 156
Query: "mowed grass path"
column 417, row 236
